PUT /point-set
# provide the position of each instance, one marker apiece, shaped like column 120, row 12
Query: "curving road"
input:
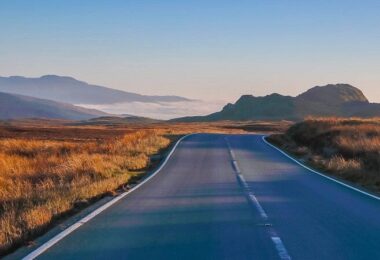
column 231, row 197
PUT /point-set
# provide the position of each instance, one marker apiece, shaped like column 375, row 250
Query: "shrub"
column 348, row 148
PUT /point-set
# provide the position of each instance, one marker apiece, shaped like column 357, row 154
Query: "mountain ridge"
column 14, row 106
column 70, row 90
column 330, row 100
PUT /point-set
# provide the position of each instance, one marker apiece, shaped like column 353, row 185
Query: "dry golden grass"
column 41, row 180
column 49, row 169
column 348, row 148
column 52, row 130
column 340, row 164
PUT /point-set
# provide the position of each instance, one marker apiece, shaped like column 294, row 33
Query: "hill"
column 70, row 90
column 17, row 106
column 334, row 94
column 331, row 100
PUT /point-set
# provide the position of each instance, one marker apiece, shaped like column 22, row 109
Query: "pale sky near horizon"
column 207, row 49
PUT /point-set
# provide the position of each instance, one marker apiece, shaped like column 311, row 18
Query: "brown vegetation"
column 346, row 148
column 40, row 180
column 66, row 130
column 50, row 169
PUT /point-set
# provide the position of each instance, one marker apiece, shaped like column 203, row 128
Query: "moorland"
column 51, row 169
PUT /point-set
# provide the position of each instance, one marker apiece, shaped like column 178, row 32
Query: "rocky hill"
column 341, row 100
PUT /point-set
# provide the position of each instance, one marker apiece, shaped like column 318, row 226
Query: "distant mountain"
column 117, row 120
column 331, row 100
column 17, row 106
column 334, row 94
column 70, row 90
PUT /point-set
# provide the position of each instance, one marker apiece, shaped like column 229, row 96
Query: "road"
column 230, row 197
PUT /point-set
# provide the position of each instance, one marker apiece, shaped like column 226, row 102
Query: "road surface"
column 230, row 197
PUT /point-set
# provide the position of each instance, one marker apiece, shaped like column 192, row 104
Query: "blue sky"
column 201, row 49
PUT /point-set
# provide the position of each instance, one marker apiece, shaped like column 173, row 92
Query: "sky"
column 204, row 49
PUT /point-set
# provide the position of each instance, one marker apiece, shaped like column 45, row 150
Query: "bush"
column 348, row 148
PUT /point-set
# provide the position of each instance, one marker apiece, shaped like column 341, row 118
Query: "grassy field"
column 346, row 148
column 42, row 180
column 51, row 169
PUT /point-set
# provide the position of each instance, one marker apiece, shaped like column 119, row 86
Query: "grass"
column 346, row 148
column 40, row 180
column 51, row 169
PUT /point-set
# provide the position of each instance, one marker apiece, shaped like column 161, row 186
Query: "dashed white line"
column 236, row 167
column 242, row 180
column 258, row 206
column 232, row 154
column 279, row 245
column 252, row 197
column 281, row 250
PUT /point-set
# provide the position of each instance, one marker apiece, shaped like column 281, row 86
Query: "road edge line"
column 319, row 173
column 45, row 246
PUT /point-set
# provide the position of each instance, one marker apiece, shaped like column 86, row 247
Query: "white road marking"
column 252, row 197
column 280, row 247
column 319, row 173
column 79, row 223
column 281, row 250
column 232, row 154
column 236, row 167
column 258, row 206
column 242, row 180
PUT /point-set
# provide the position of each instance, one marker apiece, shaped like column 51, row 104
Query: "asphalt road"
column 204, row 205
